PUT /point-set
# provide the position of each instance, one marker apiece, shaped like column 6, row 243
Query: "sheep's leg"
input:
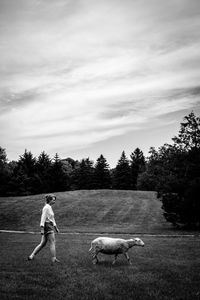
column 127, row 257
column 94, row 257
column 115, row 259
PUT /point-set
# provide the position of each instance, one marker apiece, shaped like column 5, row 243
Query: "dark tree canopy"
column 102, row 177
column 59, row 179
column 137, row 165
column 43, row 167
column 25, row 179
column 185, row 205
column 4, row 172
column 174, row 171
column 3, row 156
column 122, row 174
column 189, row 134
column 84, row 175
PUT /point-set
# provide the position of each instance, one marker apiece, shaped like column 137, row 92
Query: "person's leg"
column 39, row 247
column 52, row 242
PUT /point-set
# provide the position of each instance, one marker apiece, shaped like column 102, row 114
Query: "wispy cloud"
column 74, row 73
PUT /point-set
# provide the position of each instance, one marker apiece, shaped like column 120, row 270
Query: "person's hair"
column 49, row 197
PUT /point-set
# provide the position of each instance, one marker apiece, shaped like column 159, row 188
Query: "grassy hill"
column 88, row 211
column 166, row 268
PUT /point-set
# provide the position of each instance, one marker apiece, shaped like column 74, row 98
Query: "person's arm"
column 55, row 226
column 43, row 219
column 54, row 222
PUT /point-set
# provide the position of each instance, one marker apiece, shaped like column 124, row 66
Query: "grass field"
column 166, row 268
column 93, row 211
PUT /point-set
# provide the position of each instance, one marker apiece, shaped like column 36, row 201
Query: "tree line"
column 173, row 170
column 31, row 175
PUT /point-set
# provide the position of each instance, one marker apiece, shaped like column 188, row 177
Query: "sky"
column 83, row 78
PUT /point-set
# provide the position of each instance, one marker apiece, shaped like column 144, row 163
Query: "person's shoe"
column 30, row 258
column 55, row 260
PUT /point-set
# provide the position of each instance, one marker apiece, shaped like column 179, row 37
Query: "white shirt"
column 47, row 215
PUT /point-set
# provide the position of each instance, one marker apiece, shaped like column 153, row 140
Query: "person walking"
column 47, row 225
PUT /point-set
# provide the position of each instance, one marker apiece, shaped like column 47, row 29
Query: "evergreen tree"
column 59, row 179
column 102, row 178
column 122, row 174
column 25, row 174
column 137, row 166
column 27, row 163
column 43, row 169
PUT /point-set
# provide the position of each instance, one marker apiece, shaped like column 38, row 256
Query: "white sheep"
column 113, row 246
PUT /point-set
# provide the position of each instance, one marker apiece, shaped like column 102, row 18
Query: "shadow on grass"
column 109, row 264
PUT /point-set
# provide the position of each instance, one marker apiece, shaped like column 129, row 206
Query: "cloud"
column 74, row 73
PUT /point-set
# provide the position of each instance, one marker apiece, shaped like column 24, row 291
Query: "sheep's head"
column 135, row 242
column 139, row 242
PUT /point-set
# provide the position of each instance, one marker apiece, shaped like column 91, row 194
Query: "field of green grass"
column 166, row 268
column 88, row 211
